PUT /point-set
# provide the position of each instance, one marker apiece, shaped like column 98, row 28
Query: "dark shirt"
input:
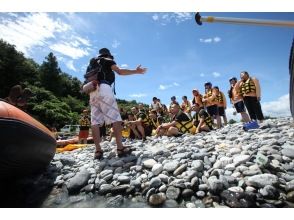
column 106, row 67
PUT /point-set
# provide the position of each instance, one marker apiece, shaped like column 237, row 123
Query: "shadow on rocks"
column 29, row 191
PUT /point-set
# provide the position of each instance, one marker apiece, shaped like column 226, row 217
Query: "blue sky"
column 179, row 54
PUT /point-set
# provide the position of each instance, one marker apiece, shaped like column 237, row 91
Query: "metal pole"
column 199, row 19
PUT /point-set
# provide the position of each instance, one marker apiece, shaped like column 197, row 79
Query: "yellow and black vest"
column 209, row 94
column 146, row 121
column 220, row 98
column 207, row 118
column 185, row 126
column 84, row 123
column 248, row 87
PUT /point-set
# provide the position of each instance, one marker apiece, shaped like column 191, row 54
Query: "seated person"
column 196, row 119
column 141, row 126
column 181, row 123
column 205, row 121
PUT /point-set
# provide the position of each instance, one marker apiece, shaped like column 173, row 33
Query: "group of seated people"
column 178, row 119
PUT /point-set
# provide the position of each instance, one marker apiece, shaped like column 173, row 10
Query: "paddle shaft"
column 247, row 21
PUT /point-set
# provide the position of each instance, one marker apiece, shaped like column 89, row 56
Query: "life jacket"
column 209, row 94
column 84, row 122
column 248, row 87
column 146, row 121
column 186, row 106
column 207, row 118
column 185, row 126
column 220, row 98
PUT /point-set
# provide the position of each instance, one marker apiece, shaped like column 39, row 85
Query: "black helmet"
column 208, row 83
column 233, row 78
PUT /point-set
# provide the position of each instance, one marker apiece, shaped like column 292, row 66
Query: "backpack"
column 95, row 71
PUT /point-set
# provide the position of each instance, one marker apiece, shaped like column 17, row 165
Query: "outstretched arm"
column 138, row 70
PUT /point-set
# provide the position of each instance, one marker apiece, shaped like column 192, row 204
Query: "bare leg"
column 225, row 119
column 96, row 136
column 245, row 117
column 141, row 130
column 218, row 121
column 172, row 131
column 117, row 133
column 133, row 128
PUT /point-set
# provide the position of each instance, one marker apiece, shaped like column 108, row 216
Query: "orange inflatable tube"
column 26, row 145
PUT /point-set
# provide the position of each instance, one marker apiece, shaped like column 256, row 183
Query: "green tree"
column 15, row 68
column 50, row 75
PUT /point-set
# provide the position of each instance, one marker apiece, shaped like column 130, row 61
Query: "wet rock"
column 157, row 169
column 115, row 202
column 262, row 180
column 157, row 199
column 173, row 193
column 78, row 181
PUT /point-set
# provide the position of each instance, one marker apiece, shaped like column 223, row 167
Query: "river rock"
column 78, row 181
column 262, row 180
column 173, row 193
column 157, row 199
column 157, row 169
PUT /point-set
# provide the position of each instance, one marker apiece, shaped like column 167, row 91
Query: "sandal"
column 123, row 152
column 98, row 154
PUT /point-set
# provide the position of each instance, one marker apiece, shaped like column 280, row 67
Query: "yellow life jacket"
column 126, row 131
column 84, row 122
column 208, row 121
column 185, row 126
column 248, row 87
column 146, row 121
column 209, row 94
column 220, row 98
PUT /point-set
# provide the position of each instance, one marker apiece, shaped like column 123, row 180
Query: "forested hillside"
column 57, row 99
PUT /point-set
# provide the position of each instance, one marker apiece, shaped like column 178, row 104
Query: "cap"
column 195, row 90
column 233, row 78
column 173, row 97
column 104, row 51
column 208, row 83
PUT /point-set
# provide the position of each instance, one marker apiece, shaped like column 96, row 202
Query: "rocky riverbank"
column 222, row 168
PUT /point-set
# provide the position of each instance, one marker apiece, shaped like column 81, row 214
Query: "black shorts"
column 212, row 110
column 240, row 107
column 221, row 111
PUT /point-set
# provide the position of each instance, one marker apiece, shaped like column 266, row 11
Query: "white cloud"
column 115, row 44
column 216, row 74
column 69, row 64
column 164, row 87
column 277, row 108
column 166, row 18
column 39, row 29
column 140, row 95
column 69, row 49
column 155, row 17
column 217, row 39
column 202, row 74
column 124, row 66
column 210, row 40
column 34, row 29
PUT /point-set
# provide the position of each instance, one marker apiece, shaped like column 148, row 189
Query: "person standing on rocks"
column 210, row 101
column 104, row 107
column 236, row 99
column 221, row 104
column 250, row 90
column 84, row 127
